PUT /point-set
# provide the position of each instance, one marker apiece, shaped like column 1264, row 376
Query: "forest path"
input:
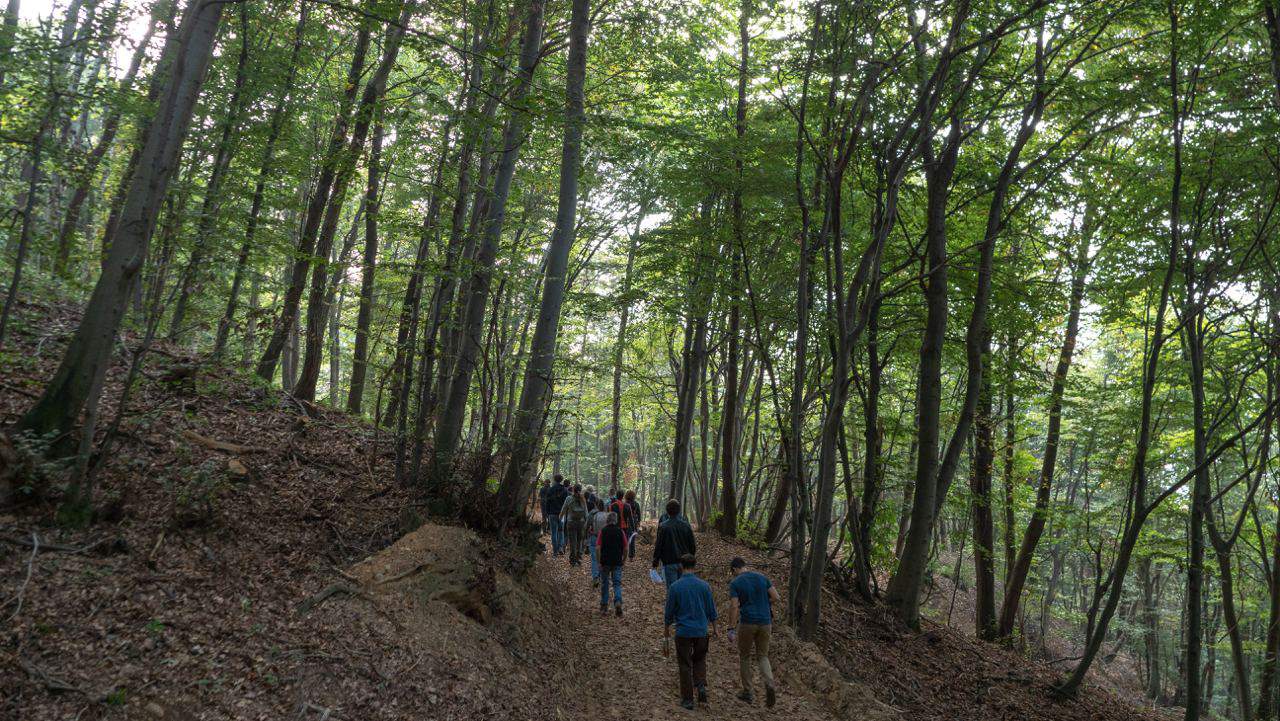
column 624, row 674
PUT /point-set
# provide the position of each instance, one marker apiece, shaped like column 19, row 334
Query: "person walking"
column 674, row 539
column 555, row 501
column 690, row 609
column 573, row 514
column 612, row 547
column 542, row 505
column 752, row 596
column 596, row 523
column 632, row 504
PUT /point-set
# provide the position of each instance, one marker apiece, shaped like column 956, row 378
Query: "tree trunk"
column 1035, row 527
column 619, row 349
column 449, row 428
column 983, row 527
column 317, row 304
column 265, row 171
column 87, row 356
column 213, row 187
column 359, row 359
column 307, row 247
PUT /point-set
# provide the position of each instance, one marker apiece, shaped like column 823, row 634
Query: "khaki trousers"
column 752, row 636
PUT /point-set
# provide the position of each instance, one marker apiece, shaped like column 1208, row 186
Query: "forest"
column 918, row 296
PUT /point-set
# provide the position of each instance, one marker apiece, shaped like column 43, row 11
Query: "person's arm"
column 693, row 542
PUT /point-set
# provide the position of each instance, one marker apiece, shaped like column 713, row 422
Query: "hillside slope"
column 255, row 560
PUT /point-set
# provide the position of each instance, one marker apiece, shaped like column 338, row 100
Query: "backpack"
column 626, row 520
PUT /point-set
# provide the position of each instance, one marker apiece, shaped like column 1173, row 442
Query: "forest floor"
column 255, row 560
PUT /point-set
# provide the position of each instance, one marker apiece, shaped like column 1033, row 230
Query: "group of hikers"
column 609, row 526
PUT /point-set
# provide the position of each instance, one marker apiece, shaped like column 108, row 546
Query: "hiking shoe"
column 687, row 704
column 702, row 693
column 617, row 610
column 745, row 696
column 604, row 609
column 770, row 696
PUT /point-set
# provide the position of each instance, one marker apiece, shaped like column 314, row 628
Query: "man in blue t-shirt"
column 691, row 610
column 751, row 624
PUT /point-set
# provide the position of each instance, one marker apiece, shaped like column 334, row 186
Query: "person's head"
column 577, row 490
column 673, row 508
column 612, row 519
column 615, row 494
column 591, row 490
column 631, row 496
column 737, row 565
column 559, row 479
column 688, row 561
column 546, row 482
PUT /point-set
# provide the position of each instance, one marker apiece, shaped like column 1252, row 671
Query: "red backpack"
column 623, row 510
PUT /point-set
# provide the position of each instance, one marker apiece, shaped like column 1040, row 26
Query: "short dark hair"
column 688, row 560
column 737, row 563
column 631, row 495
column 673, row 507
column 559, row 478
column 577, row 488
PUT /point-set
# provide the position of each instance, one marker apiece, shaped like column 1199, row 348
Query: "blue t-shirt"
column 752, row 591
column 690, row 606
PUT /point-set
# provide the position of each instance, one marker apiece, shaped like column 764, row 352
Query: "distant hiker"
column 674, row 539
column 593, row 501
column 573, row 514
column 555, row 500
column 690, row 609
column 752, row 596
column 626, row 517
column 542, row 505
column 598, row 520
column 635, row 523
column 611, row 544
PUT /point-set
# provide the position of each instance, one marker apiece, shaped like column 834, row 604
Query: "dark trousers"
column 691, row 659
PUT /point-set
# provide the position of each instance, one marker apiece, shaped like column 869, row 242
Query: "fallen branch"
column 329, row 591
column 53, row 546
column 31, row 562
column 216, row 445
column 55, row 684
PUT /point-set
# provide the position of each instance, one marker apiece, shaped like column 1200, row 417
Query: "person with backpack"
column 751, row 625
column 632, row 504
column 674, row 539
column 555, row 500
column 573, row 514
column 611, row 544
column 626, row 517
column 690, row 609
column 598, row 519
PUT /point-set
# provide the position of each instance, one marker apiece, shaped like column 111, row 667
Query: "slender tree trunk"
column 449, row 428
column 307, row 240
column 980, row 475
column 87, row 356
column 212, row 203
column 107, row 136
column 1039, row 516
column 906, row 585
column 265, row 170
column 729, row 417
column 317, row 305
column 359, row 359
column 619, row 350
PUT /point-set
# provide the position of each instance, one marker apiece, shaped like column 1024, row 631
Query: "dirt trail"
column 620, row 660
